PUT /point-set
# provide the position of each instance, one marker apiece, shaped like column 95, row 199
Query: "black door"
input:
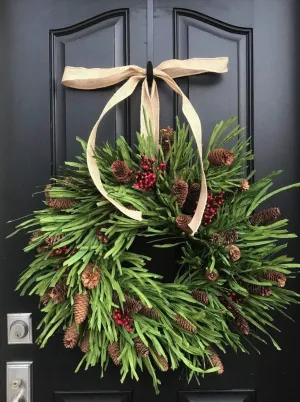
column 40, row 120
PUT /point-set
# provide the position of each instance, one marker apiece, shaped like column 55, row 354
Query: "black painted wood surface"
column 39, row 120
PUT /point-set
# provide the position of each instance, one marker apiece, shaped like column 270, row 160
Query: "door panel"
column 40, row 120
column 217, row 396
column 99, row 41
column 92, row 397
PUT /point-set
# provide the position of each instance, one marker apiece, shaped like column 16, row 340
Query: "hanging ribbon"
column 95, row 78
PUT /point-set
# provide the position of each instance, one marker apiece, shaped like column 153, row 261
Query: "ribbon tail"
column 124, row 92
column 195, row 125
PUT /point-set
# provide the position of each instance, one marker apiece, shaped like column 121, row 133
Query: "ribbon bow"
column 95, row 78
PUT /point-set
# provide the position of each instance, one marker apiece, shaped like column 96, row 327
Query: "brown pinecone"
column 200, row 296
column 182, row 222
column 211, row 275
column 42, row 249
column 275, row 276
column 61, row 203
column 167, row 139
column 244, row 185
column 226, row 238
column 114, row 352
column 59, row 292
column 265, row 217
column 34, row 237
column 257, row 289
column 120, row 171
column 47, row 195
column 131, row 305
column 91, row 276
column 45, row 298
column 81, row 306
column 192, row 199
column 216, row 361
column 149, row 312
column 220, row 157
column 162, row 362
column 242, row 324
column 52, row 240
column 141, row 348
column 185, row 324
column 71, row 337
column 180, row 189
column 85, row 343
column 234, row 252
column 102, row 237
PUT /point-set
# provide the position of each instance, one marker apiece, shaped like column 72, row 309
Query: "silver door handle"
column 20, row 387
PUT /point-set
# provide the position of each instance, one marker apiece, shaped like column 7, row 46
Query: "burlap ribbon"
column 95, row 78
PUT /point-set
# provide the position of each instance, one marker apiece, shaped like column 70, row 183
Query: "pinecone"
column 81, row 306
column 265, row 217
column 211, row 275
column 114, row 352
column 59, row 292
column 242, row 324
column 85, row 343
column 91, row 276
column 200, row 296
column 102, row 237
column 42, row 249
column 52, row 240
column 61, row 203
column 131, row 305
column 226, row 238
column 47, row 195
column 216, row 361
column 182, row 222
column 234, row 252
column 167, row 139
column 162, row 362
column 244, row 185
column 185, row 324
column 149, row 312
column 220, row 157
column 192, row 199
column 141, row 348
column 275, row 276
column 180, row 189
column 34, row 237
column 257, row 289
column 120, row 171
column 45, row 298
column 71, row 337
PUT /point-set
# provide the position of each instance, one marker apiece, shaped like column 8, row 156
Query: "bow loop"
column 95, row 78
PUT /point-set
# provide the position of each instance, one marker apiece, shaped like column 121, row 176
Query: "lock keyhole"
column 19, row 329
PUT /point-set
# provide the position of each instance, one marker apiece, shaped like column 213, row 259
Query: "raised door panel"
column 104, row 396
column 217, row 396
column 98, row 42
column 216, row 97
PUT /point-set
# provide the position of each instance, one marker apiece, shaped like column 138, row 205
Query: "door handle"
column 20, row 387
column 19, row 382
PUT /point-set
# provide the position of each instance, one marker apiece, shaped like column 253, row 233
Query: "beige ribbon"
column 95, row 78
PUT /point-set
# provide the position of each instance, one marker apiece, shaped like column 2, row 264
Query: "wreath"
column 231, row 273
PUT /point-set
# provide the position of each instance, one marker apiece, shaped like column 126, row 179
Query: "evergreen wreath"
column 232, row 272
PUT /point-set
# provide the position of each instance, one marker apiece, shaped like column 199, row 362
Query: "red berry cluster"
column 232, row 297
column 123, row 319
column 214, row 201
column 145, row 178
column 60, row 251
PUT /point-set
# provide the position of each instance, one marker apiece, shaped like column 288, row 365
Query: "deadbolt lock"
column 19, row 328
